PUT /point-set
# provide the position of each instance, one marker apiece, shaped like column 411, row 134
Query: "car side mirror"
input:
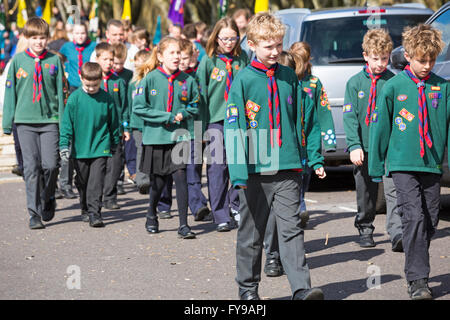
column 398, row 60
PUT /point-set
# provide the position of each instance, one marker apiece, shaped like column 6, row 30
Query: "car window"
column 443, row 23
column 339, row 40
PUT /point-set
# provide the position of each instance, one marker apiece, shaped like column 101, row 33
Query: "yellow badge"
column 435, row 88
column 406, row 114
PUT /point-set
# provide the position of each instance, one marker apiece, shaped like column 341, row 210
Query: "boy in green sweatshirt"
column 408, row 136
column 91, row 128
column 34, row 101
column 359, row 104
column 116, row 88
column 263, row 135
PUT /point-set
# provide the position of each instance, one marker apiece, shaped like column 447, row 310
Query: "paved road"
column 122, row 261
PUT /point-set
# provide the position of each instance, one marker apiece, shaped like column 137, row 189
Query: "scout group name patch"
column 406, row 114
column 435, row 88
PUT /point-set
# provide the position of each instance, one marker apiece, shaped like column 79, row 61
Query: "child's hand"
column 126, row 136
column 178, row 117
column 321, row 173
column 357, row 157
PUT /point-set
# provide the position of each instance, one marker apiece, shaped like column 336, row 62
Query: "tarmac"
column 68, row 260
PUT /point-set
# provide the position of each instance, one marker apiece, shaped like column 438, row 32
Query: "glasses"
column 233, row 39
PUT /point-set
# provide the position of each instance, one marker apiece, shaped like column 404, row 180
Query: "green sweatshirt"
column 394, row 131
column 150, row 104
column 356, row 100
column 136, row 123
column 117, row 88
column 18, row 104
column 212, row 77
column 126, row 75
column 247, row 115
column 90, row 125
column 312, row 131
column 313, row 88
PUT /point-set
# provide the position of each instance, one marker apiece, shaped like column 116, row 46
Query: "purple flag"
column 176, row 12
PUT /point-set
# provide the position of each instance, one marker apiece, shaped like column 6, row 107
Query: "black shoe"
column 16, row 170
column 120, row 189
column 208, row 217
column 151, row 225
column 164, row 215
column 308, row 294
column 201, row 214
column 273, row 268
column 185, row 232
column 144, row 189
column 366, row 241
column 68, row 194
column 223, row 227
column 397, row 244
column 36, row 223
column 111, row 205
column 304, row 217
column 84, row 216
column 48, row 212
column 419, row 290
column 95, row 221
column 249, row 295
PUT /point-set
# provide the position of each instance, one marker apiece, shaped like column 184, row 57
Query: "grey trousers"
column 393, row 220
column 40, row 145
column 277, row 195
column 141, row 178
column 418, row 204
column 114, row 166
column 66, row 174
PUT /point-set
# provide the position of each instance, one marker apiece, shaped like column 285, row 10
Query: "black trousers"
column 89, row 182
column 114, row 167
column 418, row 200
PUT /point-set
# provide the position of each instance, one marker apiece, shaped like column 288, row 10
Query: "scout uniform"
column 34, row 101
column 76, row 56
column 356, row 117
column 116, row 87
column 215, row 80
column 408, row 140
column 310, row 139
column 91, row 127
column 142, row 179
column 158, row 99
column 263, row 144
column 126, row 75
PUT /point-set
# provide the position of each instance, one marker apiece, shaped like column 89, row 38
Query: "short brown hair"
column 36, row 27
column 264, row 27
column 422, row 41
column 120, row 51
column 186, row 46
column 102, row 47
column 114, row 22
column 242, row 12
column 377, row 41
column 91, row 71
column 140, row 33
column 189, row 31
column 211, row 45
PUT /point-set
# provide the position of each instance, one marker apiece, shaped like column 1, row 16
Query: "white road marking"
column 348, row 209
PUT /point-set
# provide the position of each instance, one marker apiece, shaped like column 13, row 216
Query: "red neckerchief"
column 106, row 78
column 170, row 78
column 37, row 77
column 373, row 92
column 273, row 94
column 423, row 112
column 80, row 49
column 228, row 61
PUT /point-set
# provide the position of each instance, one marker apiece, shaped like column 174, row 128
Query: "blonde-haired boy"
column 248, row 110
column 408, row 139
column 358, row 114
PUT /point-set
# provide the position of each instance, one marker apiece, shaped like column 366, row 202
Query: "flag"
column 261, row 5
column 93, row 20
column 223, row 8
column 176, row 12
column 126, row 14
column 157, row 36
column 47, row 14
column 22, row 15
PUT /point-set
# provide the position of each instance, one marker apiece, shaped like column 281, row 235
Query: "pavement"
column 68, row 260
